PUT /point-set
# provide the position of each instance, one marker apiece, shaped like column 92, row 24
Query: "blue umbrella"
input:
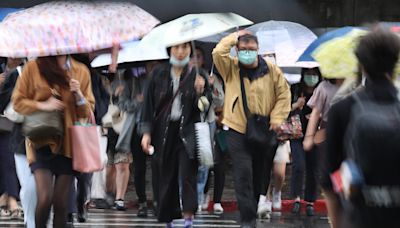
column 306, row 56
column 5, row 11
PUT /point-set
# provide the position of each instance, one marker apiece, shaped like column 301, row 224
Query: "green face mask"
column 311, row 80
column 247, row 57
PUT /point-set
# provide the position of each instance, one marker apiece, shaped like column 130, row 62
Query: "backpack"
column 372, row 146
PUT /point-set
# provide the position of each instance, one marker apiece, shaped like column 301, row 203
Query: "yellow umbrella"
column 336, row 57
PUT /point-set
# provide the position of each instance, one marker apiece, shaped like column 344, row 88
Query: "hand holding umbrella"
column 199, row 84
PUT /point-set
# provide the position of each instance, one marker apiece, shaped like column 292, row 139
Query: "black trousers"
column 252, row 170
column 139, row 168
column 172, row 163
column 78, row 196
column 219, row 175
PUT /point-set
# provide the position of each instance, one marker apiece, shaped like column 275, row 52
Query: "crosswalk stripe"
column 91, row 219
column 118, row 219
column 153, row 225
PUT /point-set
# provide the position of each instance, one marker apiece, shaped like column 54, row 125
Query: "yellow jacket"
column 268, row 95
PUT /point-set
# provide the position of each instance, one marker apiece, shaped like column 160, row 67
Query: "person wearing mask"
column 9, row 189
column 363, row 129
column 173, row 103
column 55, row 83
column 301, row 160
column 268, row 94
column 315, row 136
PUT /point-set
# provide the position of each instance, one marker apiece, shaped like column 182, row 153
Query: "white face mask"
column 179, row 63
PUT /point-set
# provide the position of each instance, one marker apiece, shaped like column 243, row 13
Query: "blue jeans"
column 202, row 176
column 304, row 161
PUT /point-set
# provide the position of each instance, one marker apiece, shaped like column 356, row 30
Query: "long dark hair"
column 52, row 72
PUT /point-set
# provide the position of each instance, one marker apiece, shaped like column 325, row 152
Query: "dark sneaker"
column 82, row 214
column 142, row 212
column 296, row 208
column 70, row 220
column 310, row 210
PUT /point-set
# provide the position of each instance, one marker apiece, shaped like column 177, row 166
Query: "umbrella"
column 134, row 51
column 5, row 11
column 306, row 56
column 68, row 27
column 336, row 57
column 193, row 27
column 288, row 40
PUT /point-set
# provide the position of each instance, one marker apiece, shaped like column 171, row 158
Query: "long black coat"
column 156, row 116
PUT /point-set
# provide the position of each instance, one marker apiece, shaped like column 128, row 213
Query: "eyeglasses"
column 247, row 50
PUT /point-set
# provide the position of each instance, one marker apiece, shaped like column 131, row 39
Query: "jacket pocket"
column 235, row 103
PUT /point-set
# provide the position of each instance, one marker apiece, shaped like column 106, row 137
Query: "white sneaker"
column 218, row 209
column 206, row 201
column 264, row 206
column 199, row 209
column 276, row 200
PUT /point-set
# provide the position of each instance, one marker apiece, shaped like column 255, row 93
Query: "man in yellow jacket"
column 268, row 94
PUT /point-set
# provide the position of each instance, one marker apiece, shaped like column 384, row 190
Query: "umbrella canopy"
column 5, row 11
column 336, row 57
column 57, row 28
column 288, row 40
column 132, row 52
column 193, row 27
column 306, row 56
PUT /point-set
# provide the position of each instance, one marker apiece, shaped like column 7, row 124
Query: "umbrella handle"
column 196, row 61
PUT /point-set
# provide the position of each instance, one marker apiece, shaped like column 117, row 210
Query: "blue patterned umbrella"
column 306, row 56
column 5, row 11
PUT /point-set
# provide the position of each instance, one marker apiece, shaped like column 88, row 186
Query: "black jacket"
column 156, row 116
column 17, row 141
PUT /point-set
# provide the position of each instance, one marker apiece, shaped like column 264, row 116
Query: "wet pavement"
column 112, row 218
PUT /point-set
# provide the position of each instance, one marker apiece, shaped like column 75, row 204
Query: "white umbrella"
column 134, row 51
column 287, row 40
column 193, row 27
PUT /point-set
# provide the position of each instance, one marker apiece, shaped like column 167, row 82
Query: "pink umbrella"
column 68, row 27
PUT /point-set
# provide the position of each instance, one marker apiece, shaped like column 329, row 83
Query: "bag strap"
column 169, row 106
column 244, row 97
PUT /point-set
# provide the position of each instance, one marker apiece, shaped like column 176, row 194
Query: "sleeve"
column 218, row 94
column 207, row 91
column 148, row 109
column 282, row 105
column 83, row 111
column 125, row 101
column 318, row 98
column 221, row 55
column 22, row 97
column 336, row 128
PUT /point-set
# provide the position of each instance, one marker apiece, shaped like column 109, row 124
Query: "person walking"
column 173, row 103
column 268, row 95
column 55, row 83
column 363, row 134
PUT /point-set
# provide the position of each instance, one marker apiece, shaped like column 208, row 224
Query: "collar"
column 260, row 71
column 382, row 90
